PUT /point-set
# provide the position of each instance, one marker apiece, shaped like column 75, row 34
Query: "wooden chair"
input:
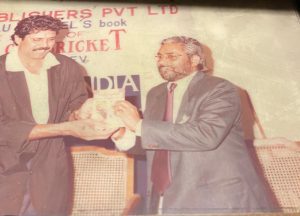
column 281, row 168
column 103, row 182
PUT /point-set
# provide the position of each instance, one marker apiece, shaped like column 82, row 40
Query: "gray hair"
column 191, row 47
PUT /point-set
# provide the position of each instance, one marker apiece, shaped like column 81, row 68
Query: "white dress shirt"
column 37, row 84
column 129, row 138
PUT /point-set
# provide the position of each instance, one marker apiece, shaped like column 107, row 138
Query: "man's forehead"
column 41, row 32
column 172, row 47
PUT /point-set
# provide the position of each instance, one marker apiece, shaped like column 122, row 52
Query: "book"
column 104, row 101
column 100, row 107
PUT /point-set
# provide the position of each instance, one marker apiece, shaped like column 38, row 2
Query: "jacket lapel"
column 190, row 91
column 19, row 89
column 54, row 90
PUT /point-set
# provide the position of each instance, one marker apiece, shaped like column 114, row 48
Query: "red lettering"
column 91, row 46
column 72, row 14
column 58, row 14
column 85, row 13
column 82, row 46
column 150, row 11
column 106, row 11
column 173, row 9
column 13, row 18
column 131, row 9
column 59, row 47
column 79, row 46
column 119, row 13
column 48, row 13
column 71, row 34
column 71, row 46
column 117, row 37
column 33, row 13
column 163, row 9
column 103, row 45
column 3, row 17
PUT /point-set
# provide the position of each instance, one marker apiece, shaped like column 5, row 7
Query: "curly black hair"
column 37, row 23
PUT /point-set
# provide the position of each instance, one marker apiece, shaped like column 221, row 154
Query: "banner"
column 257, row 49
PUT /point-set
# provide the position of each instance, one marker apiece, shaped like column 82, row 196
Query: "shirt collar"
column 184, row 81
column 14, row 64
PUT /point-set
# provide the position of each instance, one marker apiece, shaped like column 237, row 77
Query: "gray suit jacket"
column 212, row 170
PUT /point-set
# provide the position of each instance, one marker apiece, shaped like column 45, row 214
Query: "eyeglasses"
column 169, row 57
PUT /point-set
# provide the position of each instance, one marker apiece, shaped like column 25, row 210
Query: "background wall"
column 254, row 45
column 256, row 48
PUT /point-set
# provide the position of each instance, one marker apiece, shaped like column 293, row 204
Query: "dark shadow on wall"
column 249, row 119
column 209, row 63
column 248, row 114
column 259, row 169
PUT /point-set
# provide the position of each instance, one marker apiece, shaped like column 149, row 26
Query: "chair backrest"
column 103, row 181
column 281, row 168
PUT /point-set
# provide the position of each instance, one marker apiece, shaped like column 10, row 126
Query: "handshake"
column 105, row 115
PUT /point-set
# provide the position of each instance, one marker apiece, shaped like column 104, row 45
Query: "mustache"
column 163, row 66
column 41, row 48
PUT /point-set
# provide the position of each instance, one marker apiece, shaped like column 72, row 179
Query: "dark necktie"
column 161, row 172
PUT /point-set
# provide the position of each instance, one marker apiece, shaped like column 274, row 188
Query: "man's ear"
column 196, row 60
column 17, row 39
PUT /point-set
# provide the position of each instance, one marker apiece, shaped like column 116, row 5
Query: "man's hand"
column 89, row 129
column 128, row 114
column 86, row 129
column 119, row 133
column 124, row 139
column 85, row 111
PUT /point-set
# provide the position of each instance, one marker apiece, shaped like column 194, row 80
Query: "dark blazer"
column 49, row 176
column 211, row 167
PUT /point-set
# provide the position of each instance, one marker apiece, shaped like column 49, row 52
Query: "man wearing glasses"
column 191, row 130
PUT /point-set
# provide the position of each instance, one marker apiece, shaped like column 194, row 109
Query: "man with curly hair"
column 40, row 92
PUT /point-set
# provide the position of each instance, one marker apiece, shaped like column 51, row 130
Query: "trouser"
column 27, row 208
